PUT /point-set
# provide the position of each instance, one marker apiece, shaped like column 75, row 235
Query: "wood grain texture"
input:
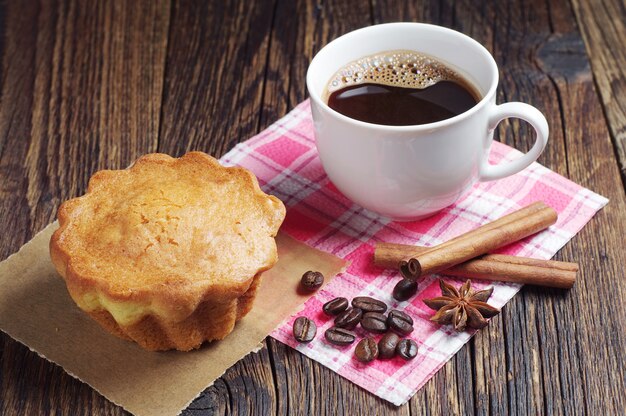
column 81, row 91
column 603, row 26
column 84, row 86
column 216, row 60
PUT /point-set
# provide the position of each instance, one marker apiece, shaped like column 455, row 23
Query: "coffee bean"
column 407, row 349
column 374, row 322
column 311, row 281
column 335, row 306
column 366, row 350
column 349, row 319
column 304, row 329
column 400, row 322
column 405, row 289
column 367, row 304
column 387, row 345
column 395, row 313
column 339, row 336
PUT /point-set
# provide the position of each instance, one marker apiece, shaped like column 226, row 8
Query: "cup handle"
column 524, row 112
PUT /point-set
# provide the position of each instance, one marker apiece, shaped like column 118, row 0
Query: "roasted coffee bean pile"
column 370, row 314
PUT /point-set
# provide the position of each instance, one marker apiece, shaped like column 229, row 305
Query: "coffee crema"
column 399, row 88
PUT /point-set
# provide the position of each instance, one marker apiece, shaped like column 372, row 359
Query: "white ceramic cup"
column 410, row 172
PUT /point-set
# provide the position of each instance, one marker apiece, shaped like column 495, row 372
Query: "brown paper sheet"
column 36, row 310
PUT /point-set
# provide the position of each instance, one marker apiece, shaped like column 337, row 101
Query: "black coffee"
column 400, row 88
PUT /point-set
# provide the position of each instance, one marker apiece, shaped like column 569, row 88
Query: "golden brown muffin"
column 169, row 252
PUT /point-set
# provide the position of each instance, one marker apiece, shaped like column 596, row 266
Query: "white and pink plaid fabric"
column 285, row 160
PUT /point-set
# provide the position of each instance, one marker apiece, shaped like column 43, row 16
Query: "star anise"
column 462, row 308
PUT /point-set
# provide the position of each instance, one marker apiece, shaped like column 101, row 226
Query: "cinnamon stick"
column 497, row 267
column 520, row 214
column 483, row 240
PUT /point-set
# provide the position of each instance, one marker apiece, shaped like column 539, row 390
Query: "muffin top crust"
column 176, row 223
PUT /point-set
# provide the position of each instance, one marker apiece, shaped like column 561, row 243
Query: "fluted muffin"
column 169, row 252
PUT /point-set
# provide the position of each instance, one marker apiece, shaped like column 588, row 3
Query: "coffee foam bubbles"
column 399, row 68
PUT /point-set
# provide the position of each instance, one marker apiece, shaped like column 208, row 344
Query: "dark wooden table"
column 90, row 85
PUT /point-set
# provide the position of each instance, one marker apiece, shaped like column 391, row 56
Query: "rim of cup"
column 486, row 98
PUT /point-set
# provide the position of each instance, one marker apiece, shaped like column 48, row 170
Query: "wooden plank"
column 246, row 388
column 557, row 351
column 215, row 78
column 293, row 45
column 589, row 345
column 475, row 379
column 80, row 91
column 603, row 27
column 296, row 380
column 556, row 373
column 300, row 30
column 519, row 29
column 523, row 358
column 459, row 387
column 216, row 60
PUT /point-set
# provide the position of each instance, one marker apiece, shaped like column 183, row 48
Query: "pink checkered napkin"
column 285, row 160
